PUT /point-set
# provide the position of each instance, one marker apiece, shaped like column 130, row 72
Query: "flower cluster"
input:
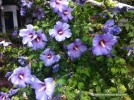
column 36, row 40
column 103, row 43
column 27, row 3
column 21, row 77
column 61, row 7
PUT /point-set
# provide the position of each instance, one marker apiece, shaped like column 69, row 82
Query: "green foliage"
column 76, row 79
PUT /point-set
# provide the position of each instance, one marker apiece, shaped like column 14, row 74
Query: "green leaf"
column 80, row 85
column 122, row 88
column 61, row 81
column 98, row 88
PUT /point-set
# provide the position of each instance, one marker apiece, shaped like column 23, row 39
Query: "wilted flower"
column 58, row 5
column 27, row 3
column 49, row 57
column 22, row 60
column 39, row 13
column 22, row 11
column 4, row 96
column 115, row 30
column 21, row 76
column 44, row 90
column 65, row 14
column 109, row 27
column 8, row 74
column 5, row 44
column 28, row 35
column 60, row 31
column 76, row 49
column 13, row 91
column 40, row 41
column 109, row 23
column 55, row 68
column 102, row 44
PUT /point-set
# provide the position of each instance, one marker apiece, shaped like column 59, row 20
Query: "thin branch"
column 94, row 3
column 122, row 5
column 118, row 5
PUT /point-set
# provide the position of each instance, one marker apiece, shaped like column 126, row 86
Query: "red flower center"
column 3, row 98
column 75, row 47
column 102, row 43
column 37, row 39
column 60, row 32
column 30, row 35
column 65, row 12
column 21, row 76
column 49, row 56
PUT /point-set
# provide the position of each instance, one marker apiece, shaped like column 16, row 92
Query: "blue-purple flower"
column 22, row 11
column 65, row 14
column 102, row 44
column 40, row 41
column 21, row 76
column 4, row 96
column 28, row 35
column 49, row 57
column 76, row 49
column 60, row 31
column 44, row 90
column 58, row 5
column 27, row 3
column 38, row 13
